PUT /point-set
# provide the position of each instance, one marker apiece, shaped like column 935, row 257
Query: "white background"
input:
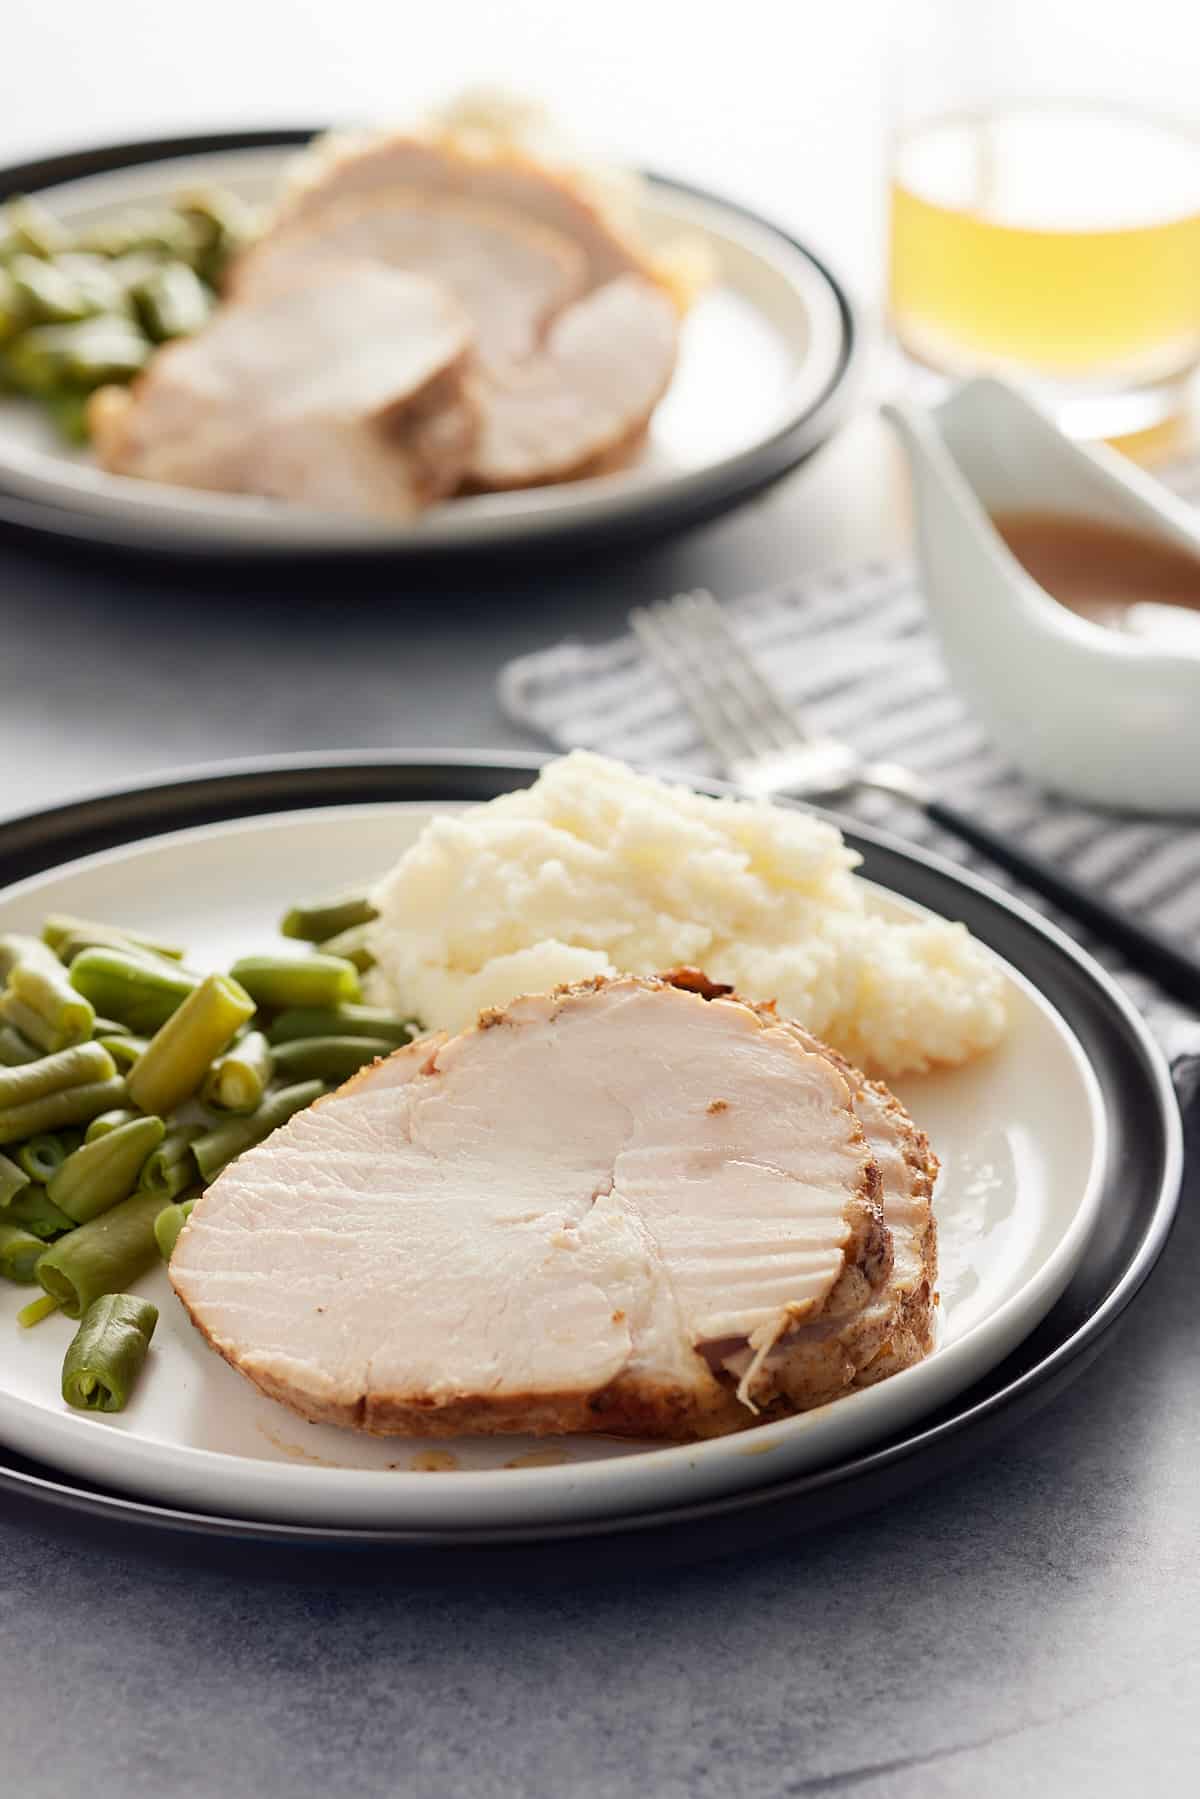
column 773, row 101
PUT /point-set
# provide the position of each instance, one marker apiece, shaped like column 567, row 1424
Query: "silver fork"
column 765, row 750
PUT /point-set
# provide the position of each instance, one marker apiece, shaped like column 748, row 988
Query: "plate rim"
column 685, row 499
column 238, row 790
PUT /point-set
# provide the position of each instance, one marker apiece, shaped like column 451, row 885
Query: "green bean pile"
column 128, row 1081
column 85, row 309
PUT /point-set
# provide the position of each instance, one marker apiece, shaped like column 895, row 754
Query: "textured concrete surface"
column 1028, row 1626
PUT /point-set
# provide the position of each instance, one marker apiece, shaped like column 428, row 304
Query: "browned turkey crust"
column 833, row 1341
column 895, row 1327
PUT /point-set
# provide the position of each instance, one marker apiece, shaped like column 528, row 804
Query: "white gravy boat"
column 1100, row 715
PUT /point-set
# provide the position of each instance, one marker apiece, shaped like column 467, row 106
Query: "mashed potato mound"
column 597, row 870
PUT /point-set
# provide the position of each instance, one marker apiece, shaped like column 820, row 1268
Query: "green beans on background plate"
column 281, row 981
column 101, row 1366
column 323, row 919
column 139, row 990
column 327, row 1058
column 237, row 1081
column 218, row 1147
column 99, row 1174
column 103, row 1256
column 20, row 1252
column 342, row 1021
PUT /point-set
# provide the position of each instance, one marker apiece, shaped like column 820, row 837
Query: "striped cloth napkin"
column 854, row 653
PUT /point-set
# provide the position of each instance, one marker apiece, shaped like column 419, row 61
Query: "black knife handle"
column 1167, row 961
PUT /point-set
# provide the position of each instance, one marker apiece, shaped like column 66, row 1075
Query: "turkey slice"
column 557, row 1220
column 347, row 392
column 510, row 277
column 583, row 403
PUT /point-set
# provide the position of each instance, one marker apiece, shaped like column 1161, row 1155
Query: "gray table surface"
column 1031, row 1625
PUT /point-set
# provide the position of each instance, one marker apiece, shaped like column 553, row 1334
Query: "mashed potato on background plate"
column 597, row 870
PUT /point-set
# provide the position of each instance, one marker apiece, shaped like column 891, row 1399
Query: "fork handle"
column 1151, row 951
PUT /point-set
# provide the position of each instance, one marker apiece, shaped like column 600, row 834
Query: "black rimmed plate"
column 1139, row 1186
column 765, row 374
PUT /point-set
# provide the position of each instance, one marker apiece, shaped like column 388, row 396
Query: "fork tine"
column 700, row 676
column 660, row 642
column 761, row 701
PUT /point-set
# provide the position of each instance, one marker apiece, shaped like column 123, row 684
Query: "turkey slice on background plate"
column 343, row 393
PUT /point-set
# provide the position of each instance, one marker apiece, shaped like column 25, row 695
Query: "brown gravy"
column 1123, row 579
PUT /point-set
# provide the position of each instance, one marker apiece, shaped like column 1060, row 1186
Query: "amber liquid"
column 1122, row 579
column 1062, row 241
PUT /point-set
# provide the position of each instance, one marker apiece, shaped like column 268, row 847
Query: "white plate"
column 1020, row 1134
column 762, row 350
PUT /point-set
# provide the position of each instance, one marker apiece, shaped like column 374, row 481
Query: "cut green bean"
column 139, row 990
column 172, row 1166
column 46, row 991
column 18, row 946
column 218, row 1147
column 104, row 1256
column 106, row 1354
column 108, row 1027
column 37, row 1214
column 105, row 1171
column 354, row 945
column 73, row 1105
column 20, row 1252
column 237, row 1081
column 33, row 228
column 286, row 981
column 327, row 1058
column 43, row 1156
column 63, row 929
column 28, row 1023
column 36, row 1310
column 110, row 1121
column 177, row 1057
column 126, row 1051
column 13, row 1179
column 171, row 302
column 326, row 918
column 45, row 293
column 15, row 1049
column 168, row 1227
column 342, row 1021
column 72, row 1067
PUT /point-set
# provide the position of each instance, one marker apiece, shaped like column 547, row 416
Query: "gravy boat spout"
column 1093, row 713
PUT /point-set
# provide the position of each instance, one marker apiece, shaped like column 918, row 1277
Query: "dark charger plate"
column 1142, row 1180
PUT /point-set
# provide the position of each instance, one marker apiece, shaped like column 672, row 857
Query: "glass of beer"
column 1045, row 200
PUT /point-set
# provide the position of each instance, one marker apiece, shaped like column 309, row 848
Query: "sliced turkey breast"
column 364, row 169
column 581, row 405
column 894, row 1326
column 510, row 277
column 348, row 392
column 563, row 1219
